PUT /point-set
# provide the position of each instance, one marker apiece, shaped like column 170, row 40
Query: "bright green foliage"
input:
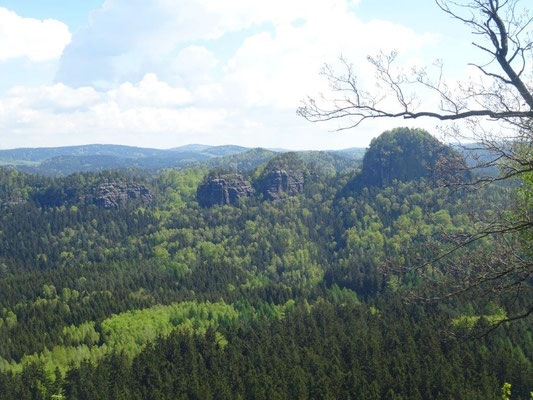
column 83, row 334
column 285, row 299
column 468, row 321
column 178, row 188
column 506, row 391
column 131, row 330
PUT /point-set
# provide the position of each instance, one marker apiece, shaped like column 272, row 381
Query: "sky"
column 164, row 73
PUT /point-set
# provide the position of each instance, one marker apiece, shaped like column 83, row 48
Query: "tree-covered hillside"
column 63, row 161
column 405, row 154
column 295, row 296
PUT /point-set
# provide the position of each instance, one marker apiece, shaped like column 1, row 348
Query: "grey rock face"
column 118, row 194
column 13, row 200
column 226, row 189
column 280, row 182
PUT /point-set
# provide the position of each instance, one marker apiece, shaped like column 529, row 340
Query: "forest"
column 292, row 276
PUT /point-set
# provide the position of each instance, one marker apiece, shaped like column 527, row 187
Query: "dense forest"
column 256, row 275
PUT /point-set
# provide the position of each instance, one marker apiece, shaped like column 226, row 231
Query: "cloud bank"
column 168, row 72
column 28, row 37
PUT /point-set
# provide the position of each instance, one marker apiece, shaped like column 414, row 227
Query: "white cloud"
column 127, row 38
column 60, row 115
column 32, row 38
column 57, row 98
column 148, row 113
column 149, row 92
column 161, row 73
column 239, row 14
column 282, row 68
column 193, row 65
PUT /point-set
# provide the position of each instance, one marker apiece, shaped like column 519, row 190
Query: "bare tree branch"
column 503, row 94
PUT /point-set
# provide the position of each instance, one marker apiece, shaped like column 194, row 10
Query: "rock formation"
column 279, row 182
column 13, row 200
column 224, row 189
column 405, row 154
column 118, row 194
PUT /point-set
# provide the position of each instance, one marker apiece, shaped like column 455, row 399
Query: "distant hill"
column 62, row 161
column 229, row 150
column 330, row 161
column 216, row 151
column 481, row 160
column 191, row 148
column 68, row 164
column 243, row 161
column 44, row 153
column 354, row 153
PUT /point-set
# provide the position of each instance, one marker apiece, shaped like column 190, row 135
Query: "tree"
column 497, row 110
column 504, row 93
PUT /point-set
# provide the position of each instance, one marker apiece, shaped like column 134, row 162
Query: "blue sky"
column 74, row 13
column 163, row 73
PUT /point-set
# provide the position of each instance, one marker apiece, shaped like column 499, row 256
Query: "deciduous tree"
column 496, row 109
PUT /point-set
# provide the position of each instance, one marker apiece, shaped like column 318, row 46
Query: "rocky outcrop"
column 224, row 189
column 118, row 194
column 13, row 200
column 405, row 155
column 278, row 183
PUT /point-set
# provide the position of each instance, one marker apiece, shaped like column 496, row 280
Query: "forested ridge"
column 262, row 299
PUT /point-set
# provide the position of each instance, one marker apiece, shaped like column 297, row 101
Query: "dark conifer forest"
column 259, row 275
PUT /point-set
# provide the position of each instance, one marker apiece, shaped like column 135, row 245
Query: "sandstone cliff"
column 278, row 183
column 117, row 194
column 224, row 189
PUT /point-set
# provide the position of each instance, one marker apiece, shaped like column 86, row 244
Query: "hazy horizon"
column 185, row 145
